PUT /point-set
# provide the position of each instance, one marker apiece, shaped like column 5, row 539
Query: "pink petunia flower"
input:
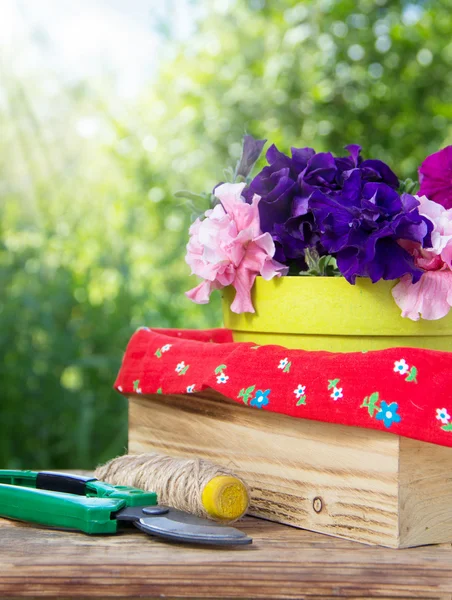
column 431, row 296
column 228, row 248
column 435, row 176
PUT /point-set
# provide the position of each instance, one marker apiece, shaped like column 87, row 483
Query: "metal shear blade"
column 175, row 525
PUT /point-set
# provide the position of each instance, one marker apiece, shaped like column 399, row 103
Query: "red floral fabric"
column 406, row 391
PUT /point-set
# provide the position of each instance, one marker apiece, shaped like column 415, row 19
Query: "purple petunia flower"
column 362, row 225
column 371, row 169
column 276, row 185
column 251, row 151
column 287, row 184
column 435, row 176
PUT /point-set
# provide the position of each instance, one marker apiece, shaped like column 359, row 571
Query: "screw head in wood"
column 317, row 504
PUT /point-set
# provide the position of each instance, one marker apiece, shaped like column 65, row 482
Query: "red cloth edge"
column 405, row 391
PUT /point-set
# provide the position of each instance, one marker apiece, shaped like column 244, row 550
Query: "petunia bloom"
column 362, row 226
column 251, row 151
column 286, row 186
column 431, row 296
column 435, row 177
column 228, row 247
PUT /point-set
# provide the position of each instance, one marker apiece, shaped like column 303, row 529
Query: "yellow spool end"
column 225, row 498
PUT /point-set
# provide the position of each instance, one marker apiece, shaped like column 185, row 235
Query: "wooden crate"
column 364, row 485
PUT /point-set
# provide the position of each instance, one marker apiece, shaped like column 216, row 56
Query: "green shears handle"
column 67, row 501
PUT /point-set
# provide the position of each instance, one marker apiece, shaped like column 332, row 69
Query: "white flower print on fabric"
column 166, row 347
column 337, row 393
column 283, row 363
column 119, row 388
column 300, row 391
column 138, row 390
column 222, row 378
column 190, row 389
column 180, row 367
column 442, row 415
column 400, row 366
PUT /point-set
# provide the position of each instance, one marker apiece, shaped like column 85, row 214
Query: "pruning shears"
column 86, row 504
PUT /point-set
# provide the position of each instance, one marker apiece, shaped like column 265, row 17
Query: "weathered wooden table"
column 283, row 562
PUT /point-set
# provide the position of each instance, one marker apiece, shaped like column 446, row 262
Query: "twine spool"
column 193, row 485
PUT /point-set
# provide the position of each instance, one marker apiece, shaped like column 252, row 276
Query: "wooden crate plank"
column 425, row 493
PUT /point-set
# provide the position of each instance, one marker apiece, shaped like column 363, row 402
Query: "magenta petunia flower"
column 435, row 177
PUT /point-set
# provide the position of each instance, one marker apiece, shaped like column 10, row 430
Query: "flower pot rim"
column 327, row 306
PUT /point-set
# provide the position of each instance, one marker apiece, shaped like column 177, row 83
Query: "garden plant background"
column 92, row 238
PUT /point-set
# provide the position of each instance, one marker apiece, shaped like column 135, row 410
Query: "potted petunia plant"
column 324, row 252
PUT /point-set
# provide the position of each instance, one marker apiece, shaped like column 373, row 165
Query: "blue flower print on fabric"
column 260, row 399
column 388, row 413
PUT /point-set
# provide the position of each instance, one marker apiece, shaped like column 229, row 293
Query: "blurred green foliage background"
column 91, row 237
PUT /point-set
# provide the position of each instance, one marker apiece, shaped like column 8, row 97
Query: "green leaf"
column 158, row 353
column 331, row 269
column 220, row 369
column 198, row 203
column 229, row 175
column 189, row 195
column 408, row 186
column 287, row 368
column 184, row 370
column 332, row 383
column 412, row 375
column 245, row 394
column 371, row 403
column 447, row 427
column 302, row 400
column 159, row 391
column 136, row 385
column 320, row 266
column 322, row 261
column 312, row 258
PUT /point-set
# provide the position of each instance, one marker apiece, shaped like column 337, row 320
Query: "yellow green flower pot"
column 327, row 313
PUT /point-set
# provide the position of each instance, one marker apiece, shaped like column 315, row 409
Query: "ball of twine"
column 181, row 483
